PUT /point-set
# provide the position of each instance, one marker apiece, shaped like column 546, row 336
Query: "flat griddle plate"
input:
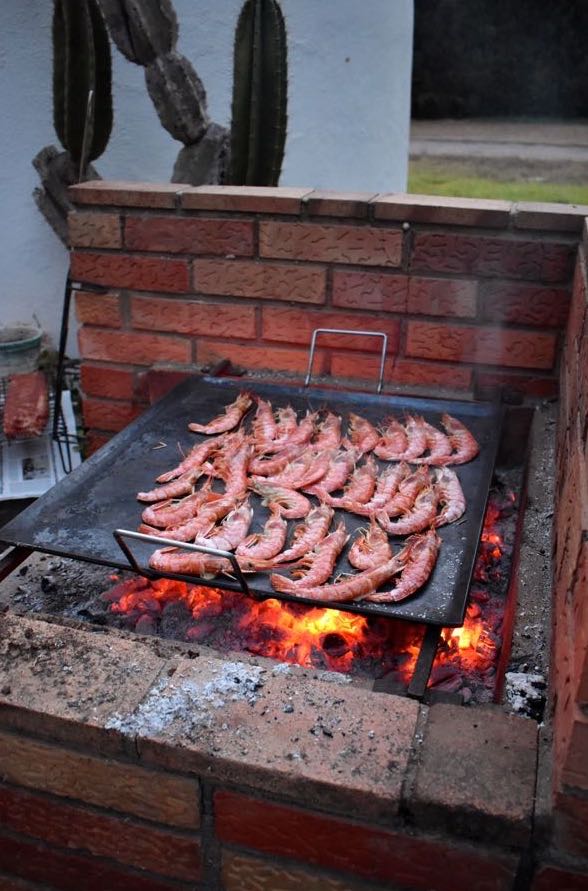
column 78, row 516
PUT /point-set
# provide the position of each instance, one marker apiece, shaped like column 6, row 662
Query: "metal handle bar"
column 120, row 534
column 318, row 331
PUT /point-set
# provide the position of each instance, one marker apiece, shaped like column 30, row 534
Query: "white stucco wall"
column 349, row 106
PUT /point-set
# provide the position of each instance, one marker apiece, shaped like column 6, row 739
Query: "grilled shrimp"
column 362, row 483
column 417, row 438
column 184, row 485
column 407, row 492
column 266, row 466
column 301, row 434
column 423, row 552
column 206, row 517
column 193, row 460
column 329, row 433
column 393, row 442
column 286, row 421
column 230, row 418
column 386, row 485
column 293, row 505
column 354, row 586
column 318, row 563
column 420, row 517
column 363, row 436
column 171, row 513
column 450, row 495
column 177, row 561
column 370, row 549
column 438, row 445
column 234, row 471
column 301, row 472
column 464, row 445
column 307, row 534
column 232, row 531
column 339, row 469
column 263, row 425
column 265, row 545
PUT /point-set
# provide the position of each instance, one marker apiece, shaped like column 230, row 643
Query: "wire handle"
column 121, row 534
column 318, row 331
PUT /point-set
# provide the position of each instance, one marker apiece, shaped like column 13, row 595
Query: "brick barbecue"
column 133, row 763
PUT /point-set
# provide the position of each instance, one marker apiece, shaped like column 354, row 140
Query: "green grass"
column 424, row 180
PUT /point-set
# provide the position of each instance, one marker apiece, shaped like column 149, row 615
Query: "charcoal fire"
column 365, row 647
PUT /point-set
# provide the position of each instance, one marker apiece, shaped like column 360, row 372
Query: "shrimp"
column 301, row 472
column 386, row 485
column 265, row 545
column 264, row 466
column 293, row 505
column 319, row 563
column 195, row 459
column 407, row 492
column 263, row 425
column 286, row 421
column 301, row 434
column 393, row 443
column 229, row 419
column 184, row 485
column 370, row 549
column 307, row 534
column 464, row 445
column 417, row 438
column 363, row 436
column 171, row 513
column 438, row 445
column 450, row 495
column 202, row 522
column 329, row 433
column 422, row 515
column 232, row 530
column 423, row 553
column 354, row 586
column 338, row 471
column 362, row 484
column 234, row 471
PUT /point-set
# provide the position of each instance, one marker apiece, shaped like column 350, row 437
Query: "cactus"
column 141, row 29
column 81, row 63
column 260, row 93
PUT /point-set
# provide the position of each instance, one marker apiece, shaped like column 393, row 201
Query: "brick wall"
column 471, row 293
column 570, row 644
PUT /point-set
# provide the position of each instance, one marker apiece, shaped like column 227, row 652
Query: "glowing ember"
column 329, row 638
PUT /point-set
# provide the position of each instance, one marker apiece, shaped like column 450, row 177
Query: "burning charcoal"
column 146, row 625
column 449, row 685
column 201, row 631
column 334, row 645
column 441, row 673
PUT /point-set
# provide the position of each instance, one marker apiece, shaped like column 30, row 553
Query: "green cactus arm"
column 102, row 85
column 141, row 29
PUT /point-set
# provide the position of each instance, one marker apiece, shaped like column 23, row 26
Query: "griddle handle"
column 121, row 534
column 346, row 331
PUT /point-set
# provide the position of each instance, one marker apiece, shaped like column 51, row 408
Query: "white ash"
column 190, row 701
column 525, row 693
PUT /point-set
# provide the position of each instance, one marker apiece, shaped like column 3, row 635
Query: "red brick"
column 442, row 210
column 494, row 257
column 488, row 346
column 570, row 818
column 127, row 194
column 67, row 826
column 66, row 871
column 258, row 357
column 376, row 291
column 441, row 297
column 107, row 382
column 95, row 441
column 93, row 308
column 191, row 317
column 240, row 873
column 375, row 854
column 106, row 414
column 128, row 271
column 331, row 244
column 135, row 348
column 539, row 387
column 579, row 303
column 575, row 768
column 524, row 304
column 123, row 787
column 296, row 326
column 9, row 883
column 186, row 235
column 327, row 203
column 552, row 878
column 265, row 281
column 249, row 199
column 94, row 230
column 401, row 371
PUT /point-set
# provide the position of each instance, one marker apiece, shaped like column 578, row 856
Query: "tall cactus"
column 260, row 95
column 141, row 30
column 81, row 63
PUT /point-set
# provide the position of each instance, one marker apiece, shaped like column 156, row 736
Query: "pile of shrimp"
column 304, row 469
